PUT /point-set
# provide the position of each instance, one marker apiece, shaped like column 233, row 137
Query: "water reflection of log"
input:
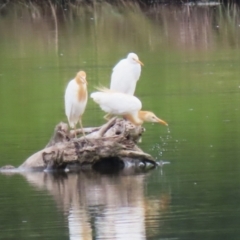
column 114, row 205
column 102, row 207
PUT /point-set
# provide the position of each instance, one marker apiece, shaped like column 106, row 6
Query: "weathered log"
column 113, row 144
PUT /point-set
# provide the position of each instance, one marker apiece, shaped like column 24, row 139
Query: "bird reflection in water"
column 102, row 206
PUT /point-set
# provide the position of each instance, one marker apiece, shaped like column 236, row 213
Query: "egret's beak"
column 138, row 61
column 162, row 122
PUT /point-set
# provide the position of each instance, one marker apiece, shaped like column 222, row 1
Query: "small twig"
column 106, row 126
column 86, row 130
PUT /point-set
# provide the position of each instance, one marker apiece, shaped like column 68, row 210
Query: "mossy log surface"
column 111, row 146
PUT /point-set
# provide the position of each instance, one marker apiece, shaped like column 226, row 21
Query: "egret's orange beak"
column 138, row 61
column 162, row 122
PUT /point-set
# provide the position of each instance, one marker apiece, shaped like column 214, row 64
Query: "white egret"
column 126, row 74
column 76, row 99
column 116, row 103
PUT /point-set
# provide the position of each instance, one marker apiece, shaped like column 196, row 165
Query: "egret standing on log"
column 76, row 99
column 116, row 103
column 126, row 74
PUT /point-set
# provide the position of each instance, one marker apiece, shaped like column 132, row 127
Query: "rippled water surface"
column 190, row 78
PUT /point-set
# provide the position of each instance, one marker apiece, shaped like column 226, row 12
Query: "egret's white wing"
column 117, row 103
column 70, row 95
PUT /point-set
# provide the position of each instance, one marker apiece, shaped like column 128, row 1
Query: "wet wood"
column 115, row 141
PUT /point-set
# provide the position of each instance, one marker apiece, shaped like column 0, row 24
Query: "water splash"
column 165, row 144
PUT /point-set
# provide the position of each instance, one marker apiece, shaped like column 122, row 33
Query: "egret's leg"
column 108, row 116
column 80, row 122
column 75, row 131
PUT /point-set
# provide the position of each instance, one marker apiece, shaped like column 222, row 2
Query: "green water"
column 190, row 78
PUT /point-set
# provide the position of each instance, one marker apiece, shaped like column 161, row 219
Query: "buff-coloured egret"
column 76, row 97
column 127, row 106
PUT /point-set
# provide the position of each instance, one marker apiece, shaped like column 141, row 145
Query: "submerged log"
column 113, row 145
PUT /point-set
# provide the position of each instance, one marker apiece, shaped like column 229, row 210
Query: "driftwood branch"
column 113, row 143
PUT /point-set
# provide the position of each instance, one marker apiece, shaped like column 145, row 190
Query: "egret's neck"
column 82, row 90
column 134, row 118
column 80, row 81
column 142, row 115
